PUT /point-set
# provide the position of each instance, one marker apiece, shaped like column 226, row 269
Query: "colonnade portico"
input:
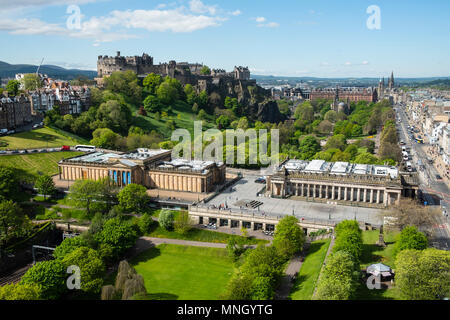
column 340, row 192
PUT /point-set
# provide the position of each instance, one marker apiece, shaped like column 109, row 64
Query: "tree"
column 125, row 83
column 305, row 112
column 91, row 268
column 32, row 81
column 68, row 246
column 151, row 82
column 144, row 223
column 118, row 234
column 45, row 185
column 114, row 115
column 339, row 278
column 239, row 287
column 411, row 238
column 19, row 291
column 324, row 127
column 182, row 223
column 331, row 116
column 152, row 104
column 289, row 236
column 201, row 114
column 423, row 275
column 13, row 223
column 49, row 276
column 235, row 248
column 13, row 87
column 243, row 123
column 336, row 142
column 133, row 198
column 349, row 239
column 262, row 289
column 366, row 158
column 308, row 147
column 8, row 184
column 167, row 93
column 409, row 213
column 165, row 219
column 86, row 193
column 205, row 70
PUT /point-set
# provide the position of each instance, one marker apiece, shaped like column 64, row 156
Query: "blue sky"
column 324, row 38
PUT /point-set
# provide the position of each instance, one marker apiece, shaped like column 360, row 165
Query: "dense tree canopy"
column 423, row 275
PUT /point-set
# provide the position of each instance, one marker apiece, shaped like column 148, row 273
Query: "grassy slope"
column 46, row 163
column 303, row 288
column 183, row 272
column 185, row 120
column 41, row 138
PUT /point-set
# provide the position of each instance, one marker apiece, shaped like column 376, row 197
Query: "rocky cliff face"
column 255, row 99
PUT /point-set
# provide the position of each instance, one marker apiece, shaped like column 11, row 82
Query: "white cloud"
column 196, row 6
column 8, row 4
column 117, row 24
column 348, row 63
column 236, row 13
column 365, row 62
column 261, row 23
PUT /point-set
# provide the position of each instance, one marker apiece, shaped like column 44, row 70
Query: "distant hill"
column 9, row 71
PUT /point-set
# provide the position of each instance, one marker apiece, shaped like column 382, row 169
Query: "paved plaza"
column 246, row 190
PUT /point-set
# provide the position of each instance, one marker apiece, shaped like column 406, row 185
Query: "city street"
column 435, row 192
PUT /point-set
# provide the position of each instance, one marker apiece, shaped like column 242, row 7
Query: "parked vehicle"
column 85, row 148
column 65, row 148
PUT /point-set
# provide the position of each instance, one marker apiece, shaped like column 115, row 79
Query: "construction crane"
column 37, row 71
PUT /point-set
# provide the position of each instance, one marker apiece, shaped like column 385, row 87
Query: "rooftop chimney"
column 118, row 53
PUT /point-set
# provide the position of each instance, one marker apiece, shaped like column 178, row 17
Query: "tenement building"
column 345, row 94
column 342, row 182
column 14, row 111
column 153, row 169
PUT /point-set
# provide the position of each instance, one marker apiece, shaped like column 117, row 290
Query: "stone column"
column 371, row 195
column 252, row 226
column 365, row 195
column 332, row 193
column 339, row 193
column 345, row 193
column 352, row 194
column 320, row 191
column 397, row 202
column 229, row 223
column 326, row 192
column 358, row 195
column 264, row 226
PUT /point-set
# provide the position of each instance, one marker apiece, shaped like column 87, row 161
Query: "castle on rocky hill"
column 186, row 73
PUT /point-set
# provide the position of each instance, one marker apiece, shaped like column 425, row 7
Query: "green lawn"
column 174, row 272
column 32, row 164
column 41, row 138
column 181, row 114
column 196, row 234
column 305, row 283
column 374, row 254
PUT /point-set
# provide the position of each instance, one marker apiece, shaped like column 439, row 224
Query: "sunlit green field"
column 40, row 138
column 36, row 163
column 174, row 272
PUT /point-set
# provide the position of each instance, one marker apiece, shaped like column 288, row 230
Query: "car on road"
column 11, row 132
column 23, row 151
column 402, row 142
column 260, row 180
column 2, row 152
column 438, row 177
column 35, row 126
column 65, row 148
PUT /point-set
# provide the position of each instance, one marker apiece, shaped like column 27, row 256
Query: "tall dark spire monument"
column 391, row 81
